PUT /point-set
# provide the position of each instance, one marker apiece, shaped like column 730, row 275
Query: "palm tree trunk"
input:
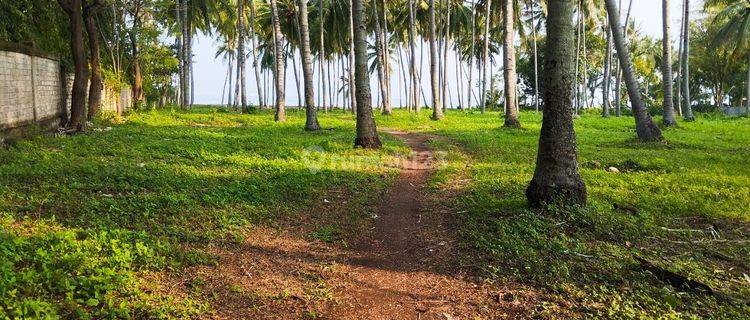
column 446, row 99
column 536, row 57
column 386, row 61
column 437, row 109
column 485, row 54
column 241, row 52
column 668, row 109
column 352, row 86
column 321, row 57
column 509, row 68
column 300, row 96
column 379, row 55
column 261, row 98
column 556, row 179
column 644, row 125
column 280, row 64
column 367, row 135
column 311, row 119
column 471, row 54
column 230, row 102
column 577, row 99
column 607, row 76
column 413, row 57
column 688, row 109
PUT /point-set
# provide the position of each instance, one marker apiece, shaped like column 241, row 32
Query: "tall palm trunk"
column 471, row 54
column 412, row 58
column 688, row 108
column 241, row 51
column 254, row 49
column 367, row 135
column 607, row 76
column 444, row 86
column 556, row 179
column 386, row 62
column 311, row 119
column 437, row 109
column 95, row 80
column 280, row 63
column 379, row 55
column 184, row 81
column 78, row 95
column 485, row 55
column 322, row 56
column 536, row 57
column 644, row 125
column 352, row 86
column 668, row 109
column 509, row 67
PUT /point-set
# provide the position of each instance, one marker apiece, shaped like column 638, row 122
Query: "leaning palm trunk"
column 311, row 120
column 668, row 109
column 509, row 68
column 367, row 135
column 437, row 109
column 607, row 76
column 556, row 179
column 485, row 55
column 644, row 125
column 280, row 64
column 688, row 109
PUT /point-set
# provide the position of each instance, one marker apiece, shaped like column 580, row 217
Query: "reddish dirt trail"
column 404, row 267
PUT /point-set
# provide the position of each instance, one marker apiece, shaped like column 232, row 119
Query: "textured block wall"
column 29, row 89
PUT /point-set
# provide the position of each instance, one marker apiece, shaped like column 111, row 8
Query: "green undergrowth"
column 86, row 217
column 682, row 204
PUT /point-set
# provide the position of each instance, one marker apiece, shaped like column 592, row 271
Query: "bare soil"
column 403, row 265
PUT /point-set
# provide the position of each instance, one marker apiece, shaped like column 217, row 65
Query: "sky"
column 210, row 73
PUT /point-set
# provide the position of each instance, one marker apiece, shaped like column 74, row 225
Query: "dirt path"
column 405, row 267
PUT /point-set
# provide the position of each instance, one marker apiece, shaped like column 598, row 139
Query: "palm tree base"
column 367, row 142
column 539, row 195
column 512, row 123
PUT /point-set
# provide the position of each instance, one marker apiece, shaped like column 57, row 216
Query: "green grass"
column 86, row 221
column 585, row 257
column 84, row 218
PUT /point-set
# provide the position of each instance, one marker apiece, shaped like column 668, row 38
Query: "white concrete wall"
column 29, row 89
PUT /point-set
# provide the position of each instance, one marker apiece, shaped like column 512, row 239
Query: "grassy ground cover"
column 86, row 219
column 683, row 205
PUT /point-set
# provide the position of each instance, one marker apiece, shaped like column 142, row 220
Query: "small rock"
column 326, row 201
column 141, row 165
column 448, row 316
column 613, row 170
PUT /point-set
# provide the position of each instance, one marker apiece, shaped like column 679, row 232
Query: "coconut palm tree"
column 509, row 66
column 485, row 54
column 280, row 63
column 556, row 179
column 241, row 52
column 644, row 124
column 367, row 135
column 734, row 22
column 688, row 109
column 311, row 120
column 437, row 109
column 668, row 109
